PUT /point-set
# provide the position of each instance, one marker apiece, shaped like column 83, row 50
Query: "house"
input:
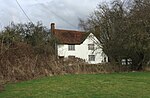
column 77, row 44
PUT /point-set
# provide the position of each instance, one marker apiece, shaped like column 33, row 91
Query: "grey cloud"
column 64, row 13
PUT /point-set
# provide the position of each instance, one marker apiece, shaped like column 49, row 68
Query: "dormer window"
column 90, row 46
column 71, row 47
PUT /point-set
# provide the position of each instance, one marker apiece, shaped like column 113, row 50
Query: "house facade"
column 77, row 44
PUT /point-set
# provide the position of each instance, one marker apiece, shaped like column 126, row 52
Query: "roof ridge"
column 69, row 30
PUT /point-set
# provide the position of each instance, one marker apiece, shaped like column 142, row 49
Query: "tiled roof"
column 69, row 36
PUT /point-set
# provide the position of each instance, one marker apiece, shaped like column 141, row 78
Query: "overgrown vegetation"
column 123, row 28
column 27, row 52
column 116, row 85
column 35, row 35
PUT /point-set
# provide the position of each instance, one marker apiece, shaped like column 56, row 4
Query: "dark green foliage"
column 36, row 35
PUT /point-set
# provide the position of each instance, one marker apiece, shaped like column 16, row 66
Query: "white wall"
column 81, row 51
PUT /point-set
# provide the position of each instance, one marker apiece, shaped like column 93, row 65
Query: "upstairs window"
column 71, row 47
column 90, row 46
column 91, row 57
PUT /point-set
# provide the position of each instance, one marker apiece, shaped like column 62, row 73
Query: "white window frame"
column 90, row 46
column 123, row 61
column 91, row 57
column 71, row 47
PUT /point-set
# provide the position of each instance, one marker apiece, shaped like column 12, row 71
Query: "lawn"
column 116, row 85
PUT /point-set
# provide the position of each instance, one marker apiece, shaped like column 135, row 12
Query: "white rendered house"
column 78, row 44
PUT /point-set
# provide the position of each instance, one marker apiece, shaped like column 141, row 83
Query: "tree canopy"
column 36, row 35
column 123, row 29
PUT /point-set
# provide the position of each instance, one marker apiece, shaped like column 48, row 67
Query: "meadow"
column 114, row 85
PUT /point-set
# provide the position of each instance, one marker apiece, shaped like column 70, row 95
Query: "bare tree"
column 122, row 28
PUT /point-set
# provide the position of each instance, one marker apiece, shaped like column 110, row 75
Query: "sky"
column 64, row 13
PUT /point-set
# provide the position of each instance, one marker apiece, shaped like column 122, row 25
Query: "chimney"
column 53, row 28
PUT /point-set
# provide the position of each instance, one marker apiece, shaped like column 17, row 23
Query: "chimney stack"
column 53, row 28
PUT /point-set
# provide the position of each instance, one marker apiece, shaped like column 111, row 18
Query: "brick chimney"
column 53, row 28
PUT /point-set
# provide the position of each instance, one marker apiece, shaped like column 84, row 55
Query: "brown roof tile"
column 70, row 36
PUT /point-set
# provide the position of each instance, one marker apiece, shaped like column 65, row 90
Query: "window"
column 71, row 47
column 91, row 57
column 126, row 61
column 129, row 61
column 61, row 57
column 90, row 46
column 71, row 57
column 104, row 59
column 123, row 61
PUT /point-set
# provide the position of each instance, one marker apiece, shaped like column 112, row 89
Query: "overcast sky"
column 65, row 13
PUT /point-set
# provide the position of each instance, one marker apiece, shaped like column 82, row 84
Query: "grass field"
column 116, row 85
